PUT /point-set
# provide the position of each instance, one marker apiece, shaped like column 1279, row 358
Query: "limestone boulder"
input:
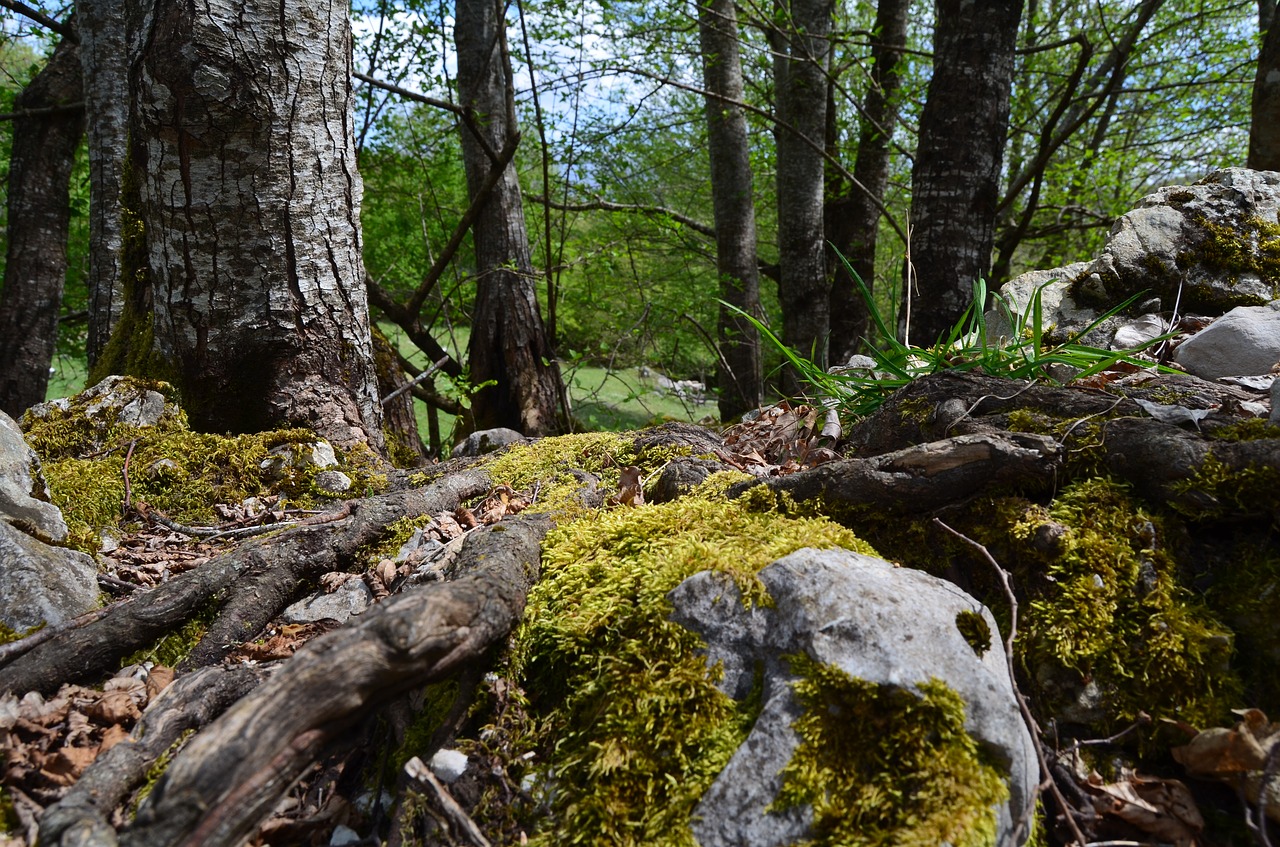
column 23, row 495
column 1243, row 342
column 41, row 583
column 1216, row 239
column 872, row 621
column 488, row 441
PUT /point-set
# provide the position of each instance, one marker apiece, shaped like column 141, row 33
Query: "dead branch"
column 82, row 817
column 230, row 776
column 254, row 582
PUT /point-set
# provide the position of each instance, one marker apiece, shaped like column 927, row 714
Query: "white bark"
column 249, row 193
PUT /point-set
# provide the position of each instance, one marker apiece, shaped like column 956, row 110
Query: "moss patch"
column 885, row 765
column 1115, row 613
column 633, row 727
column 183, row 474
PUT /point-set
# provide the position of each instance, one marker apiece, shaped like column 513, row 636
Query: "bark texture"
column 44, row 147
column 509, row 344
column 1264, row 126
column 802, row 52
column 853, row 217
column 248, row 194
column 739, row 375
column 956, row 177
column 101, row 24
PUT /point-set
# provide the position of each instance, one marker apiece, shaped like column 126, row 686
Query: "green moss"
column 1113, row 610
column 633, row 727
column 1216, row 490
column 886, row 765
column 8, row 635
column 436, row 701
column 1245, row 592
column 157, row 769
column 973, row 627
column 1249, row 429
column 182, row 474
column 9, row 820
column 1248, row 245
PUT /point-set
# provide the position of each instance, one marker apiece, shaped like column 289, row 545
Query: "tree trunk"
column 44, row 147
column 739, row 374
column 853, row 221
column 101, row 24
column 801, row 56
column 1264, row 126
column 509, row 346
column 245, row 171
column 956, row 178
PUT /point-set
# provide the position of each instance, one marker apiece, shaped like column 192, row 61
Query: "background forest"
column 1109, row 100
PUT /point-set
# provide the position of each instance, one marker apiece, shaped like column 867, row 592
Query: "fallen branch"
column 228, row 778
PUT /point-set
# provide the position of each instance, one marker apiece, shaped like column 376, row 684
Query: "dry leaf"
column 1162, row 808
column 630, row 488
column 1236, row 756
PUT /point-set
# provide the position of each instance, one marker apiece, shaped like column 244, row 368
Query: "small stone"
column 334, row 482
column 352, row 598
column 448, row 765
column 343, row 834
column 322, row 455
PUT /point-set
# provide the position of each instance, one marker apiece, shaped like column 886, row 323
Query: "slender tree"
column 799, row 39
column 101, row 24
column 48, row 128
column 242, row 182
column 956, row 178
column 511, row 359
column 853, row 212
column 739, row 374
column 1264, row 129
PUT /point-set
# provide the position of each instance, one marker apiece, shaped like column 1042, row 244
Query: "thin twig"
column 1042, row 755
column 128, row 491
column 439, row 797
column 422, row 377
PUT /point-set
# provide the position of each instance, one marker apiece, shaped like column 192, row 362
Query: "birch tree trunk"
column 956, row 179
column 802, row 51
column 244, row 164
column 44, row 147
column 509, row 346
column 739, row 375
column 101, row 24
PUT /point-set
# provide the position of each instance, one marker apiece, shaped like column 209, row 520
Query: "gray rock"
column 682, row 475
column 353, row 597
column 23, row 495
column 488, row 441
column 335, row 482
column 876, row 622
column 448, row 765
column 41, row 583
column 1167, row 242
column 1057, row 305
column 1244, row 341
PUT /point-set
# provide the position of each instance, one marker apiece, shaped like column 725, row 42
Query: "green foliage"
column 885, row 765
column 633, row 727
column 968, row 346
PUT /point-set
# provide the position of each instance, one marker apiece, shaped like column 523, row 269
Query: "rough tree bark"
column 44, row 146
column 1264, row 126
column 802, row 51
column 738, row 375
column 956, row 178
column 853, row 217
column 101, row 24
column 509, row 345
column 247, row 192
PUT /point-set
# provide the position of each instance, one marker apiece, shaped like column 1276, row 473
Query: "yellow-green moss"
column 181, row 473
column 1249, row 245
column 1249, row 429
column 888, row 766
column 635, row 727
column 1114, row 611
column 157, row 769
column 9, row 820
column 1246, row 491
column 172, row 647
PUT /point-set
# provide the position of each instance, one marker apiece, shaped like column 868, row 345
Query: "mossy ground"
column 181, row 473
